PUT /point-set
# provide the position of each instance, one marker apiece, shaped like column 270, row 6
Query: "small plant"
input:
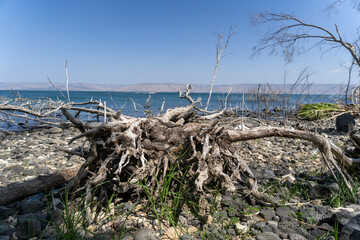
column 168, row 198
column 72, row 218
column 336, row 230
column 343, row 195
column 214, row 204
column 316, row 111
column 121, row 231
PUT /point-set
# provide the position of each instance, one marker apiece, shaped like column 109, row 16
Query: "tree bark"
column 18, row 191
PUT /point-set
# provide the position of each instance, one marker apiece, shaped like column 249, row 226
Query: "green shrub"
column 314, row 111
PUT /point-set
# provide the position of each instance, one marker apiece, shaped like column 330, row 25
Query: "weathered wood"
column 18, row 191
column 318, row 140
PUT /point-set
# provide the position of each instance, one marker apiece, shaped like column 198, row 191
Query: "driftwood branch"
column 18, row 191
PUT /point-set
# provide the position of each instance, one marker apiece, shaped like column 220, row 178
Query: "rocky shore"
column 313, row 206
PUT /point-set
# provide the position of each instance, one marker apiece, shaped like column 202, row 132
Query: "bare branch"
column 67, row 81
column 220, row 48
column 288, row 36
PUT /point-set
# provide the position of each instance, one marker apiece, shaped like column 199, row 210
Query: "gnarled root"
column 128, row 155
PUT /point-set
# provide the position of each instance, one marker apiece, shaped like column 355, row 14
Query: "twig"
column 56, row 87
column 67, row 81
column 220, row 48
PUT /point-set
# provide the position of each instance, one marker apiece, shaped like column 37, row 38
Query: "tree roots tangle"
column 127, row 155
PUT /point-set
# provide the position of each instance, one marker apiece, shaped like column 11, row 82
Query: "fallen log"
column 18, row 191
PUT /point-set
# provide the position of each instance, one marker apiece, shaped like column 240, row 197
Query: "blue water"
column 122, row 100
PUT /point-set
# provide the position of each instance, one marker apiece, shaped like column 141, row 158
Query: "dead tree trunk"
column 18, row 191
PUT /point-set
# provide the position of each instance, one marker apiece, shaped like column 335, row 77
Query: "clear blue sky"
column 142, row 41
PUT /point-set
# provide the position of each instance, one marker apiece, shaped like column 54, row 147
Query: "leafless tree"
column 288, row 35
column 350, row 69
column 353, row 3
column 221, row 45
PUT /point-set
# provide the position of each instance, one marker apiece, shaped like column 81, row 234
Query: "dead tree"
column 353, row 3
column 221, row 46
column 350, row 69
column 287, row 35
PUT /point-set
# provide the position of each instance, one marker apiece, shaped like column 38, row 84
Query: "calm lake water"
column 123, row 100
column 117, row 100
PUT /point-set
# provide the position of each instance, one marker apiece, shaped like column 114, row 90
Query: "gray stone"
column 320, row 191
column 268, row 174
column 17, row 169
column 4, row 237
column 182, row 220
column 2, row 135
column 334, row 187
column 267, row 214
column 318, row 233
column 344, row 121
column 283, row 211
column 314, row 213
column 32, row 206
column 267, row 236
column 228, row 200
column 129, row 207
column 270, row 228
column 42, row 170
column 275, row 224
column 6, row 212
column 43, row 218
column 343, row 215
column 289, row 225
column 5, row 229
column 231, row 231
column 127, row 236
column 283, row 235
column 4, row 179
column 351, row 231
column 29, row 172
column 55, row 130
column 259, row 225
column 355, row 207
column 276, row 219
column 185, row 237
column 103, row 236
column 144, row 234
column 56, row 217
column 295, row 236
column 28, row 226
column 51, row 238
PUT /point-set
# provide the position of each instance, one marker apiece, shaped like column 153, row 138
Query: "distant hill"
column 169, row 87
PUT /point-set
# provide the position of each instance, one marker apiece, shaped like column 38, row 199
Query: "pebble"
column 267, row 236
column 192, row 230
column 144, row 234
column 33, row 154
column 267, row 214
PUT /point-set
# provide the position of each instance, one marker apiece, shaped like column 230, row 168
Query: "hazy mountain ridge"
column 169, row 87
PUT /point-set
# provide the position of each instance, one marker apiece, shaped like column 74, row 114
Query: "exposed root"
column 128, row 154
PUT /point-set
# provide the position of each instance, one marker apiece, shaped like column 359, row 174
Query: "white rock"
column 192, row 230
column 241, row 228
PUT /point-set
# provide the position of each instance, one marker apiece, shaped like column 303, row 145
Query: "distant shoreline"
column 173, row 87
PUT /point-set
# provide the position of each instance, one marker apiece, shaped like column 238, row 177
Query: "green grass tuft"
column 315, row 111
